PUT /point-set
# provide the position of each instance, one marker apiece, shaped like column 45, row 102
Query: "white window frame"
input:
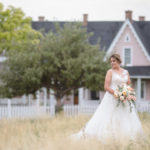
column 129, row 39
column 124, row 56
column 144, row 90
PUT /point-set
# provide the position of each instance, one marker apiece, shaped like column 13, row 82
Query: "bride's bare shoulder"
column 109, row 72
column 124, row 70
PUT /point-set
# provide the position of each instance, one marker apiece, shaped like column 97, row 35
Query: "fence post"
column 45, row 98
column 38, row 98
column 9, row 108
column 52, row 98
column 29, row 100
column 37, row 103
column 52, row 103
column 52, row 110
column 24, row 99
column 81, row 95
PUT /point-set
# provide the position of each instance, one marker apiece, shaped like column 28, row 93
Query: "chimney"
column 141, row 18
column 41, row 18
column 85, row 19
column 128, row 15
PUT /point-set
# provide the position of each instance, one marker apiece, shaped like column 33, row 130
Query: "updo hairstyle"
column 117, row 57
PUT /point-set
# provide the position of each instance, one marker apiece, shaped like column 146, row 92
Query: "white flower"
column 120, row 93
column 121, row 98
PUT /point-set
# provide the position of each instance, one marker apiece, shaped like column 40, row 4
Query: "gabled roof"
column 46, row 25
column 105, row 30
column 143, row 30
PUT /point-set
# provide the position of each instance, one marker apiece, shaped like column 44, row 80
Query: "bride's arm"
column 129, row 80
column 108, row 81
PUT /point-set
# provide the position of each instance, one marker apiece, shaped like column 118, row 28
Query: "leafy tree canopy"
column 15, row 29
column 64, row 61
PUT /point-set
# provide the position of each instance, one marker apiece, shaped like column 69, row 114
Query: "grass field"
column 51, row 134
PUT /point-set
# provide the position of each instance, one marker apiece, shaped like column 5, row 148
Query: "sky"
column 73, row 10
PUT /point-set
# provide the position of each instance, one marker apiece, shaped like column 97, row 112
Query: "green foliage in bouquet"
column 125, row 94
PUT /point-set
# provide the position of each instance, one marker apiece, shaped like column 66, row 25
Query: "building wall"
column 147, row 87
column 136, row 50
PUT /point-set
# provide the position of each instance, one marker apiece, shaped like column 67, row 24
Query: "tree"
column 63, row 61
column 15, row 29
column 21, row 73
column 70, row 61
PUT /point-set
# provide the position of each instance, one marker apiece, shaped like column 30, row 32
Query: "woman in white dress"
column 110, row 121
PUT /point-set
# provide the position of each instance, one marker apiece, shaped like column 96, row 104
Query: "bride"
column 110, row 121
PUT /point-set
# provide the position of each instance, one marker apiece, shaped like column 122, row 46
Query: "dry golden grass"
column 51, row 134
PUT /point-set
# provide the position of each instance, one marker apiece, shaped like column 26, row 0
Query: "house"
column 129, row 38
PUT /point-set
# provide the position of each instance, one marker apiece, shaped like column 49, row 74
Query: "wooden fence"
column 143, row 107
column 25, row 111
column 73, row 110
column 10, row 110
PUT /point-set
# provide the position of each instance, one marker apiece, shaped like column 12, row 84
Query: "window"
column 127, row 56
column 127, row 38
column 142, row 90
column 94, row 95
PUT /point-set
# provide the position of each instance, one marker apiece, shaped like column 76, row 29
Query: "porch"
column 140, row 76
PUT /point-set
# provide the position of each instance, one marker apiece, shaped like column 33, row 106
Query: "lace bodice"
column 118, row 79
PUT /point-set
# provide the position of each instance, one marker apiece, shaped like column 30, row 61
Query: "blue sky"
column 70, row 10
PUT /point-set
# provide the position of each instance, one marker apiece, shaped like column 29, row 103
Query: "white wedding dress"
column 111, row 121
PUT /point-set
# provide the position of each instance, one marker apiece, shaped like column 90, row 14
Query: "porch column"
column 80, row 94
column 138, row 90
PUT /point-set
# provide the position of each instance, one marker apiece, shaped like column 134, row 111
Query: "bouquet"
column 125, row 94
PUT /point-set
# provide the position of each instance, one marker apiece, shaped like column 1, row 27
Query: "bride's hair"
column 117, row 57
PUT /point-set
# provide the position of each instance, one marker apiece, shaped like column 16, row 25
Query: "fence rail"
column 143, row 107
column 25, row 111
column 73, row 110
column 10, row 110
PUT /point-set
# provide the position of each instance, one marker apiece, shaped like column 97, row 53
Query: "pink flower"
column 134, row 98
column 124, row 101
column 129, row 97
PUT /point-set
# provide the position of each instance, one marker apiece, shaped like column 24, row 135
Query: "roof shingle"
column 139, row 70
column 105, row 30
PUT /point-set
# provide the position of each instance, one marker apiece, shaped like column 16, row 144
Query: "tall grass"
column 52, row 134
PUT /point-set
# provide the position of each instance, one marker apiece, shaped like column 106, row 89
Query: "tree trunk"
column 48, row 93
column 59, row 105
